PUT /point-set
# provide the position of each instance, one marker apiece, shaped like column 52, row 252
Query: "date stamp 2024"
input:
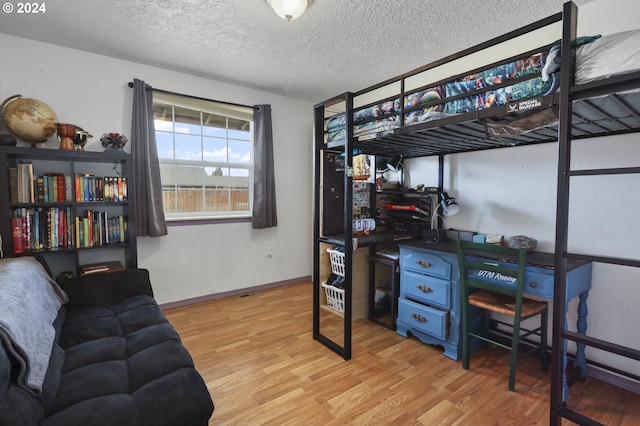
column 31, row 8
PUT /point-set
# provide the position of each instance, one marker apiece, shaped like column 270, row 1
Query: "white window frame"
column 221, row 109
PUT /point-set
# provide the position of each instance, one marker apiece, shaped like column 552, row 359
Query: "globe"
column 28, row 119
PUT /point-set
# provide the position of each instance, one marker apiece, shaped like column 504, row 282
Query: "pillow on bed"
column 609, row 55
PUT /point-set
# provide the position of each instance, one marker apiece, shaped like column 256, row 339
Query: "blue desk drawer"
column 538, row 284
column 424, row 318
column 426, row 263
column 535, row 283
column 426, row 289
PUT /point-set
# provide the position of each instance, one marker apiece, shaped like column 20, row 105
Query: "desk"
column 429, row 273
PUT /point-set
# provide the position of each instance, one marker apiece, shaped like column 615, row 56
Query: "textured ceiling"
column 336, row 46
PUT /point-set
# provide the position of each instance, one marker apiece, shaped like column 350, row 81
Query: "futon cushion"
column 125, row 365
column 115, row 361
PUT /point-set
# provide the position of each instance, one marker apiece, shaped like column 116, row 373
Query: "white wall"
column 513, row 191
column 191, row 261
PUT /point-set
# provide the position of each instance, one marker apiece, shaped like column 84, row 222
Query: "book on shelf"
column 40, row 189
column 13, row 184
column 31, row 190
column 17, row 234
column 95, row 268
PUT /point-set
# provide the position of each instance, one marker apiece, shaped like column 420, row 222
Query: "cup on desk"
column 364, row 225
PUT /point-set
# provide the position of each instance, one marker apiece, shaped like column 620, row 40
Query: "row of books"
column 100, row 188
column 59, row 228
column 24, row 187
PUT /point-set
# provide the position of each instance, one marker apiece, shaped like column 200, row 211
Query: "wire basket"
column 335, row 297
column 337, row 261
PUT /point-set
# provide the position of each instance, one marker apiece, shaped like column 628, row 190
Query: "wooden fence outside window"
column 185, row 200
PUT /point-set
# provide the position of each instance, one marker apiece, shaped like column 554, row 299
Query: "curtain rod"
column 197, row 97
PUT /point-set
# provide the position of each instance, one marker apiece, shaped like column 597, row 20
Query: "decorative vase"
column 113, row 141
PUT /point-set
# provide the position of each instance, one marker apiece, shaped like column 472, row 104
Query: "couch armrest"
column 107, row 288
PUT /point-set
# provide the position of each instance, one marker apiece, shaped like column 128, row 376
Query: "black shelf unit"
column 111, row 163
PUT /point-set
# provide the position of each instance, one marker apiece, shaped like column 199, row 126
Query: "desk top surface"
column 534, row 258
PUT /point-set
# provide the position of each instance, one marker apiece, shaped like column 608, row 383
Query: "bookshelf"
column 74, row 207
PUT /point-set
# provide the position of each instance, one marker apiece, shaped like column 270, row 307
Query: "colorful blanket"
column 525, row 78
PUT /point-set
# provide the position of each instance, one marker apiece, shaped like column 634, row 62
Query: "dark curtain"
column 148, row 189
column 264, row 186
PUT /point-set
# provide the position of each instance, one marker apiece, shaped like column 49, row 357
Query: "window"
column 205, row 155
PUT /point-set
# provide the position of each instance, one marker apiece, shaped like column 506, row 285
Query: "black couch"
column 115, row 361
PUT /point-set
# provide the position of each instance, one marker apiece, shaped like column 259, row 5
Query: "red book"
column 16, row 233
column 60, row 187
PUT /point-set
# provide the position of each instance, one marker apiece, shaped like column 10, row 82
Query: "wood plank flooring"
column 262, row 367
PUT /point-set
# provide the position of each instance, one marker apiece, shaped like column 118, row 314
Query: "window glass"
column 215, row 149
column 205, row 155
column 239, row 152
column 164, row 144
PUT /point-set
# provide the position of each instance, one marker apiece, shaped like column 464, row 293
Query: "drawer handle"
column 424, row 288
column 419, row 318
column 424, row 263
column 532, row 284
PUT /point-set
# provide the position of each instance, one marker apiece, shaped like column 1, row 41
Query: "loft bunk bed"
column 555, row 91
column 510, row 102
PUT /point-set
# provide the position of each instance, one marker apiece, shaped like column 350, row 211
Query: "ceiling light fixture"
column 289, row 9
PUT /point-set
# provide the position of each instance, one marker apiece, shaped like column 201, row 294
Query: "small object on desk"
column 521, row 241
column 466, row 235
column 494, row 239
column 364, row 225
column 456, row 234
column 452, row 234
column 480, row 238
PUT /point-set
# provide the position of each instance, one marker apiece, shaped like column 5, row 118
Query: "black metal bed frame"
column 601, row 108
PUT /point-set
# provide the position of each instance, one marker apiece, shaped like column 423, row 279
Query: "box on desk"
column 455, row 234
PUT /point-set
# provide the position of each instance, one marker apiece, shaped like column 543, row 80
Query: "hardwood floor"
column 262, row 366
